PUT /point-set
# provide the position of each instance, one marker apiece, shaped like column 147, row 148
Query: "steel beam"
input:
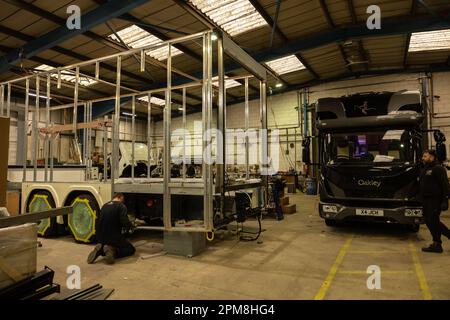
column 331, row 24
column 433, row 12
column 69, row 53
column 408, row 36
column 280, row 33
column 346, row 76
column 391, row 26
column 167, row 197
column 197, row 14
column 33, row 217
column 99, row 15
column 207, row 22
column 361, row 50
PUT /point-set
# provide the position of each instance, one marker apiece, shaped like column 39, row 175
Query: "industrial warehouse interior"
column 236, row 150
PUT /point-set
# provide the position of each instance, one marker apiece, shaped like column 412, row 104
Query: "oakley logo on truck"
column 369, row 183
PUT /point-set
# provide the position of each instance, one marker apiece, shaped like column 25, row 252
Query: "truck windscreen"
column 370, row 147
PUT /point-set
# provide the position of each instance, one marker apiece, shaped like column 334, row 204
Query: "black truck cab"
column 370, row 146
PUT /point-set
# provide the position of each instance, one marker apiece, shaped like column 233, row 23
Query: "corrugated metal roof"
column 298, row 19
column 234, row 16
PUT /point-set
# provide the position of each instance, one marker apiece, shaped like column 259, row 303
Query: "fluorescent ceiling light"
column 430, row 41
column 154, row 100
column 67, row 75
column 285, row 65
column 229, row 83
column 136, row 37
column 233, row 16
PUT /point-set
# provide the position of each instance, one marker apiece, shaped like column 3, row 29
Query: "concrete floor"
column 299, row 258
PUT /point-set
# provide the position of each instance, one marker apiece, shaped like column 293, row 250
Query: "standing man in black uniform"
column 277, row 191
column 113, row 220
column 434, row 193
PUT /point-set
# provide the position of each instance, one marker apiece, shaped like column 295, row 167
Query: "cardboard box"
column 290, row 208
column 13, row 202
column 284, row 201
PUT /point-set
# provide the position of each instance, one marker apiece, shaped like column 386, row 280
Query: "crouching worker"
column 112, row 244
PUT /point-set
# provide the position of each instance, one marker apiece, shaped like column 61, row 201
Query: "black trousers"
column 278, row 208
column 431, row 214
column 124, row 248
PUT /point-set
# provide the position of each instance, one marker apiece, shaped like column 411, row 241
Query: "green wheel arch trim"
column 40, row 203
column 82, row 220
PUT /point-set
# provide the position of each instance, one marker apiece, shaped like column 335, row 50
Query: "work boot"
column 98, row 251
column 434, row 247
column 109, row 254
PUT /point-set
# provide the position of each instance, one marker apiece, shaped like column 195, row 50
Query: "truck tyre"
column 42, row 201
column 82, row 222
column 330, row 222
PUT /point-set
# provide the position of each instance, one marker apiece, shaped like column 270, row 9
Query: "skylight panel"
column 285, row 65
column 233, row 16
column 154, row 100
column 136, row 37
column 430, row 41
column 67, row 75
column 229, row 83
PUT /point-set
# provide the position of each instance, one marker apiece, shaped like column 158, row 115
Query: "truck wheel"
column 330, row 222
column 414, row 228
column 82, row 221
column 42, row 201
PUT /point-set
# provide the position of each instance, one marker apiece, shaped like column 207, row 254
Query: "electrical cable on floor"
column 258, row 214
column 249, row 238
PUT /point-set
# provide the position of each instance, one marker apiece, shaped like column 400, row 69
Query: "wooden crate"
column 290, row 208
column 18, row 253
column 284, row 201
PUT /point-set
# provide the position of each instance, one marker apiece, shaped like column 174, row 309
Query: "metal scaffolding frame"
column 209, row 186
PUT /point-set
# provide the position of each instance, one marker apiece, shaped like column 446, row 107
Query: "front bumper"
column 402, row 215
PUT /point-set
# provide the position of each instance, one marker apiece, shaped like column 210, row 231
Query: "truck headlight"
column 413, row 212
column 330, row 208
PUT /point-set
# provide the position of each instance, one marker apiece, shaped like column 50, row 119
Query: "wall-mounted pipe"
column 305, row 112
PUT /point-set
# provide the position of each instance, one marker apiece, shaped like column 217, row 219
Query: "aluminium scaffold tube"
column 25, row 129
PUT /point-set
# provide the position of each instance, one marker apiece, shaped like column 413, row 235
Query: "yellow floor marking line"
column 334, row 268
column 382, row 272
column 419, row 272
column 375, row 252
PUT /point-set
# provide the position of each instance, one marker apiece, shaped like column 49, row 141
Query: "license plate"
column 413, row 213
column 369, row 212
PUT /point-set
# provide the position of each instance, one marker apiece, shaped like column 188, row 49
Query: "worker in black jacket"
column 111, row 224
column 434, row 193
